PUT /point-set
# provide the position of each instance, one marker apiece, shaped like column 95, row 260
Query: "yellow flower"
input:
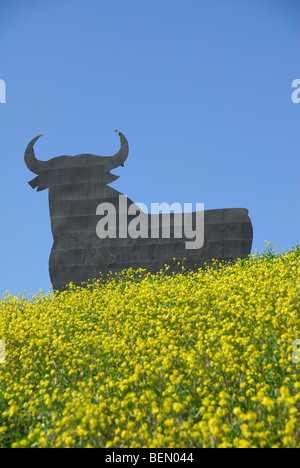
column 284, row 391
column 268, row 403
column 237, row 411
column 245, row 431
column 167, row 405
column 42, row 442
column 177, row 407
column 242, row 443
column 169, row 422
column 166, row 360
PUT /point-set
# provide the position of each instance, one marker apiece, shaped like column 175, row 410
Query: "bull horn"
column 120, row 157
column 31, row 162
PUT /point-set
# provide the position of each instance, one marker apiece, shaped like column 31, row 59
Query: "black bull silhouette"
column 78, row 184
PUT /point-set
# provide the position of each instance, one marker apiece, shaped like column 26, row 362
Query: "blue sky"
column 201, row 89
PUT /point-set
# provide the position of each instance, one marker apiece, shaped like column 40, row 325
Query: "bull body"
column 78, row 184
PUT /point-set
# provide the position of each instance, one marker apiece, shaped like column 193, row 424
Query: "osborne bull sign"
column 97, row 229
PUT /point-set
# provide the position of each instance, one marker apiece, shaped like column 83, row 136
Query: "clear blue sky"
column 201, row 89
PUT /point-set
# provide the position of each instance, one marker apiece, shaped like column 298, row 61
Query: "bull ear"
column 34, row 182
column 109, row 178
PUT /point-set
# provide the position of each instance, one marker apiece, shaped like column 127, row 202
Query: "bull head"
column 48, row 172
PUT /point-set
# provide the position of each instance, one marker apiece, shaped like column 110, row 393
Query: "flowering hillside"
column 201, row 359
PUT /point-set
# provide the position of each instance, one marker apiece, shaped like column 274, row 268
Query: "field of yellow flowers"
column 194, row 359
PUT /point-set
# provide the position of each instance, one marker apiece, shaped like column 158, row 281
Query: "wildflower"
column 177, row 407
column 198, row 358
column 268, row 403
